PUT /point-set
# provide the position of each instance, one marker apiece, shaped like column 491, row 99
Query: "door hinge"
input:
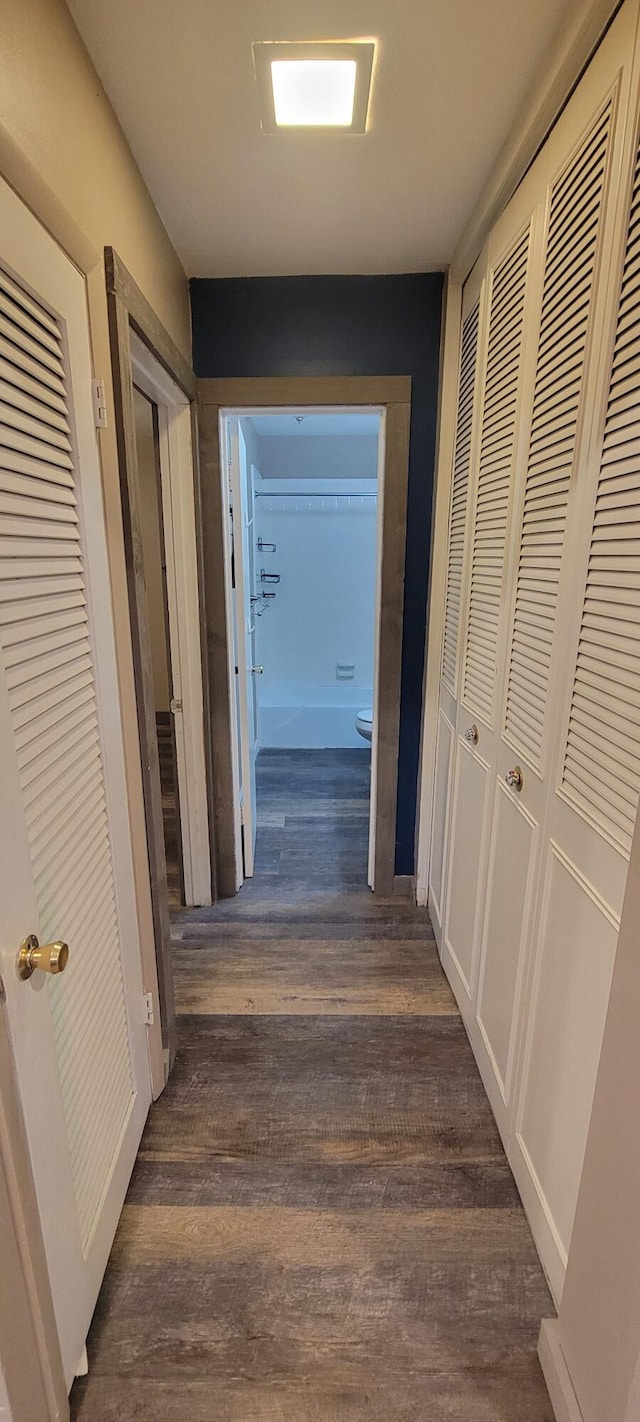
column 147, row 1003
column 99, row 403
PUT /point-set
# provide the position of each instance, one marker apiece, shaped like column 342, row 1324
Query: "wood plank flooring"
column 322, row 1223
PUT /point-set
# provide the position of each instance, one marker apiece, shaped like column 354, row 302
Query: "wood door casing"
column 392, row 392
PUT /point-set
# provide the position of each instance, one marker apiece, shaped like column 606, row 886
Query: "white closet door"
column 576, row 207
column 534, row 863
column 573, row 241
column 488, row 521
column 460, row 488
column 65, row 872
column 596, row 778
column 456, row 545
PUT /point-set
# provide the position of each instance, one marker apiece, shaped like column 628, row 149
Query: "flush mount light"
column 322, row 86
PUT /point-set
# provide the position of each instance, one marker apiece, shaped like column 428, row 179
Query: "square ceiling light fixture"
column 321, row 86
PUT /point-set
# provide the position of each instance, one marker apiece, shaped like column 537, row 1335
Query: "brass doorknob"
column 50, row 957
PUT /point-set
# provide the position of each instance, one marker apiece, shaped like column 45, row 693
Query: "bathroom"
column 311, row 543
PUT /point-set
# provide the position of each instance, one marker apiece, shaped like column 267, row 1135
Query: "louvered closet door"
column 596, row 775
column 488, row 518
column 544, row 675
column 456, row 553
column 570, row 247
column 65, row 871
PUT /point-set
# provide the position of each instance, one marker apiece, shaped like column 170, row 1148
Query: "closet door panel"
column 572, row 204
column 444, row 749
column 548, row 653
column 508, row 891
column 482, row 592
column 595, row 781
column 576, row 205
column 491, row 507
column 460, row 496
column 456, row 579
column 471, row 782
column 578, row 938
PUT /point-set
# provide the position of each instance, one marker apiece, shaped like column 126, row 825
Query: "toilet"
column 364, row 724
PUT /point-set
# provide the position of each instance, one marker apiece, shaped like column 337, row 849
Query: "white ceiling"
column 283, row 426
column 449, row 79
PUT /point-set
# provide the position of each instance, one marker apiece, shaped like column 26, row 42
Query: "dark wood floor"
column 322, row 1224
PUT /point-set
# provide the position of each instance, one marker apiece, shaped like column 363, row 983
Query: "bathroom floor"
column 313, row 815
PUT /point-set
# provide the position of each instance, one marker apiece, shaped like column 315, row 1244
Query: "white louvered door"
column 573, row 230
column 65, row 871
column 497, row 421
column 543, row 673
column 456, row 554
column 595, row 769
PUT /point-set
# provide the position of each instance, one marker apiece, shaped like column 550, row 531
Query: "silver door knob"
column 514, row 778
column 257, row 671
column 471, row 735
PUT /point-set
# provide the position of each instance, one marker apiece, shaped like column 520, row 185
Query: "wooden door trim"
column 143, row 318
column 394, row 394
column 128, row 309
column 394, row 538
column 120, row 339
column 278, row 390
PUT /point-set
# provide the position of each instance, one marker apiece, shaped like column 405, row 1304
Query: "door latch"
column 514, row 778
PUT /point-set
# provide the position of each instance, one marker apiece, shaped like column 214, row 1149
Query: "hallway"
column 322, row 1224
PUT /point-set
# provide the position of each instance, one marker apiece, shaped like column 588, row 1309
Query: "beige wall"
column 63, row 151
column 599, row 1323
column 54, row 111
column 151, row 530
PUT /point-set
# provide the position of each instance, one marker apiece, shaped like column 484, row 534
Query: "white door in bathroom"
column 242, row 524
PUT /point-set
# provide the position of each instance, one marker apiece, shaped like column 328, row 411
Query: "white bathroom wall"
column 344, row 456
column 323, row 614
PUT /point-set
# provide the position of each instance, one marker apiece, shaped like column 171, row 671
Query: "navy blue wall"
column 385, row 325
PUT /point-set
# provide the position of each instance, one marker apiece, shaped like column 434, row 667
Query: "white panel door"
column 242, row 561
column 488, row 516
column 541, row 664
column 596, row 771
column 553, row 404
column 450, row 865
column 79, row 1038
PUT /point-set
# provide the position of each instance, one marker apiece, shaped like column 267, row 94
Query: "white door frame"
column 241, row 537
column 226, row 415
column 181, row 557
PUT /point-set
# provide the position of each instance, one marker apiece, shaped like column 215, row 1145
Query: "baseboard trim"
column 556, row 1373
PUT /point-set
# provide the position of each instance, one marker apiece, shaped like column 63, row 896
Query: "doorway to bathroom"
column 227, row 635
column 303, row 550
